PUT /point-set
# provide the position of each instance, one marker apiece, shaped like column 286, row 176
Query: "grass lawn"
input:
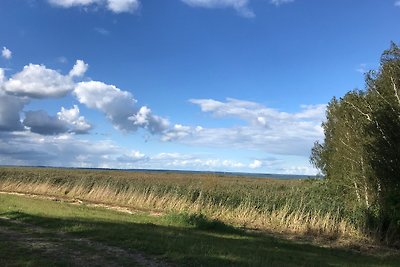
column 172, row 239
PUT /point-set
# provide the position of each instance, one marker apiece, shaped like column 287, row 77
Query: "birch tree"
column 361, row 149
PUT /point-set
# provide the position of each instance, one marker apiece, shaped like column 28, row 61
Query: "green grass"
column 181, row 239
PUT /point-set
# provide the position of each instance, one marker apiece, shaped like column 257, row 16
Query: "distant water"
column 244, row 174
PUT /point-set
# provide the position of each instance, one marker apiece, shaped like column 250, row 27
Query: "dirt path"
column 65, row 248
column 76, row 201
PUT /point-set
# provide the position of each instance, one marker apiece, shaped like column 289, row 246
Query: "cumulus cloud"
column 153, row 123
column 6, row 53
column 119, row 107
column 79, row 69
column 241, row 6
column 266, row 129
column 72, row 118
column 116, row 6
column 40, row 82
column 37, row 81
column 67, row 120
column 280, row 2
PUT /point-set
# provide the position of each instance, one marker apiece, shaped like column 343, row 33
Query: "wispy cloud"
column 397, row 3
column 102, row 31
column 266, row 129
column 241, row 6
column 280, row 2
column 116, row 6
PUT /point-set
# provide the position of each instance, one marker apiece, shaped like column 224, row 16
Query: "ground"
column 44, row 232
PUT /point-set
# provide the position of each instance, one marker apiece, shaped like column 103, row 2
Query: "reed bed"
column 304, row 207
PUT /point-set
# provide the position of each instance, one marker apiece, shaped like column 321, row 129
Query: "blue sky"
column 222, row 85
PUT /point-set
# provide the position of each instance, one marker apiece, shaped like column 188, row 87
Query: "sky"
column 206, row 85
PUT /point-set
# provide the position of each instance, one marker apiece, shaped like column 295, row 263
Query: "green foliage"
column 361, row 151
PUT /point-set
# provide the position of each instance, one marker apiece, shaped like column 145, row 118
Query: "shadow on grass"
column 208, row 243
column 201, row 222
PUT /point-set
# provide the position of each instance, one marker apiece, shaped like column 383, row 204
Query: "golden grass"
column 283, row 218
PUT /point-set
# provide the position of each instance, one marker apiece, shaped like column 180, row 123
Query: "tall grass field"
column 299, row 207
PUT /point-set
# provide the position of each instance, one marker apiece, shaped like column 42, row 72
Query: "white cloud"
column 153, row 123
column 119, row 107
column 119, row 6
column 66, row 121
column 280, row 2
column 37, row 81
column 72, row 3
column 116, row 104
column 193, row 162
column 295, row 170
column 256, row 114
column 255, row 164
column 267, row 129
column 241, row 6
column 116, row 6
column 6, row 53
column 179, row 132
column 397, row 3
column 132, row 157
column 79, row 69
column 77, row 123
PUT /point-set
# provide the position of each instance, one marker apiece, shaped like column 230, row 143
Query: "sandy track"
column 77, row 201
